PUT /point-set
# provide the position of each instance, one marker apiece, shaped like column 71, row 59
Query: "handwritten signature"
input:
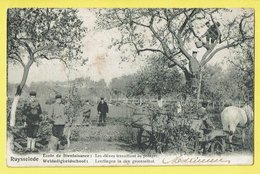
column 182, row 159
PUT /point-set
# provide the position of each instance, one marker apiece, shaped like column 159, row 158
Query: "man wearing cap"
column 206, row 125
column 212, row 32
column 102, row 111
column 203, row 115
column 194, row 65
column 32, row 111
column 59, row 119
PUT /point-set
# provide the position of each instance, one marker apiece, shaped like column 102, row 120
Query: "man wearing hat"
column 102, row 111
column 203, row 115
column 59, row 119
column 206, row 126
column 32, row 111
column 212, row 32
column 194, row 65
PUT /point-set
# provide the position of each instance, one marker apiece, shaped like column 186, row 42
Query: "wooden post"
column 199, row 89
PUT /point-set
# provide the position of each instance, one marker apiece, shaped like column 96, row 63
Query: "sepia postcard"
column 130, row 86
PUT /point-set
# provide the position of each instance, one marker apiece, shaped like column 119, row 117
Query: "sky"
column 104, row 62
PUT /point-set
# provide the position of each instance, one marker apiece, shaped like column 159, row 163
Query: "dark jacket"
column 213, row 32
column 102, row 108
column 32, row 112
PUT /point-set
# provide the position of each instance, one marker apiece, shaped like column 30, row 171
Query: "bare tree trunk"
column 18, row 93
column 199, row 88
column 13, row 110
column 9, row 142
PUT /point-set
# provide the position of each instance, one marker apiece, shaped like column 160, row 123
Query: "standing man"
column 32, row 111
column 59, row 119
column 194, row 64
column 102, row 112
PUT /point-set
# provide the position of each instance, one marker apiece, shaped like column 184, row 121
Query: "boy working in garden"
column 32, row 112
column 206, row 126
column 59, row 119
column 86, row 113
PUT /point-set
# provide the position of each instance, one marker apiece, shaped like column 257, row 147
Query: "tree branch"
column 207, row 53
column 172, row 58
column 192, row 61
column 54, row 58
column 17, row 58
column 42, row 48
column 178, row 35
column 172, row 14
column 194, row 11
column 137, row 23
column 166, row 49
column 234, row 44
column 219, row 34
column 241, row 27
column 205, row 45
column 48, row 23
column 150, row 49
column 27, row 47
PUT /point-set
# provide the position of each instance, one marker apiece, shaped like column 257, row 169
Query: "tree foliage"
column 44, row 34
column 157, row 80
column 36, row 34
column 119, row 87
column 236, row 82
column 173, row 32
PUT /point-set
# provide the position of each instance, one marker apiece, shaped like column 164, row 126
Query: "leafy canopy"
column 41, row 33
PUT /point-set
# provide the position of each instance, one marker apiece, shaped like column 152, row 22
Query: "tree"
column 156, row 79
column 219, row 84
column 243, row 70
column 235, row 82
column 38, row 34
column 172, row 32
column 119, row 86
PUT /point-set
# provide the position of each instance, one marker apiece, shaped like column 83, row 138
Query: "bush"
column 75, row 134
column 129, row 135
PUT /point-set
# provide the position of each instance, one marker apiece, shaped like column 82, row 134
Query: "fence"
column 140, row 101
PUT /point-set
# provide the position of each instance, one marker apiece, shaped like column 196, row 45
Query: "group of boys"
column 57, row 116
column 33, row 116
